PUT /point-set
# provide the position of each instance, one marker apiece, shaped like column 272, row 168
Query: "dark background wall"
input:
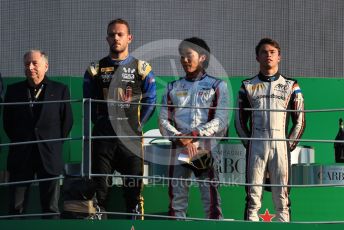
column 73, row 33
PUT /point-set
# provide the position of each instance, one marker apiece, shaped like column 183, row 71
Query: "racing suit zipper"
column 269, row 114
column 193, row 103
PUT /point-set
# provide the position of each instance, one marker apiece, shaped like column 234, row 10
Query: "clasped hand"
column 190, row 147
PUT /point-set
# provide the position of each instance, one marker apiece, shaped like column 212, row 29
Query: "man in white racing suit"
column 195, row 93
column 267, row 91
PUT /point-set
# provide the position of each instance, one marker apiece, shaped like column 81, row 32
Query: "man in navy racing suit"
column 125, row 80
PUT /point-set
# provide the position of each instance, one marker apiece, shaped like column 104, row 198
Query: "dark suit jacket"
column 55, row 121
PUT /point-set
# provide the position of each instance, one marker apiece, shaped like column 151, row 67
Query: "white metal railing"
column 87, row 137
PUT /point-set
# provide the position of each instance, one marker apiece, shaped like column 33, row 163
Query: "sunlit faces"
column 36, row 65
column 191, row 61
column 268, row 57
column 118, row 39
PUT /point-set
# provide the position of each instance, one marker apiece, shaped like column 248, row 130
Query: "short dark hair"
column 268, row 41
column 118, row 21
column 198, row 45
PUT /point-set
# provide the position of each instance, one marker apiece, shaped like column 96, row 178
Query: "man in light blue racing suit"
column 192, row 96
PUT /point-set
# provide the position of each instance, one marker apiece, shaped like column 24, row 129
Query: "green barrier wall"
column 308, row 204
column 72, row 150
column 319, row 93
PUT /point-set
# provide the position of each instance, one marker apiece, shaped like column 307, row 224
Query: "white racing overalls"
column 272, row 156
column 200, row 121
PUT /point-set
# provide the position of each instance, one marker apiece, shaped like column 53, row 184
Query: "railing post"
column 86, row 129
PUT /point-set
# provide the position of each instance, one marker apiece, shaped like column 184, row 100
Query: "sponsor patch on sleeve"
column 144, row 68
column 93, row 69
column 296, row 89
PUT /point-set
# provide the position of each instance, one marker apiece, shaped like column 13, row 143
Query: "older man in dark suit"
column 35, row 122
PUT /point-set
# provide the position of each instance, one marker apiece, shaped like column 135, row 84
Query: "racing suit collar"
column 199, row 77
column 128, row 59
column 262, row 77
